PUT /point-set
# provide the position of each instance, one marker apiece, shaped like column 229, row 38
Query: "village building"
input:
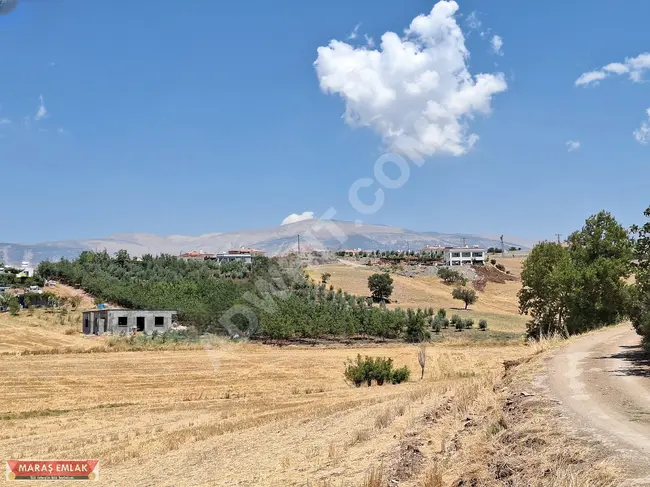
column 126, row 321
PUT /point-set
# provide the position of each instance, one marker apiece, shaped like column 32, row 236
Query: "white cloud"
column 355, row 32
column 473, row 22
column 591, row 77
column 634, row 67
column 295, row 217
column 642, row 134
column 42, row 111
column 497, row 44
column 4, row 121
column 370, row 42
column 572, row 145
column 414, row 90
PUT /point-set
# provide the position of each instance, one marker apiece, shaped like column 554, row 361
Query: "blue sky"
column 198, row 117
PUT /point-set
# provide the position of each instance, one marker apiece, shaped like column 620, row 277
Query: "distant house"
column 464, row 256
column 234, row 256
column 196, row 255
column 125, row 321
column 250, row 251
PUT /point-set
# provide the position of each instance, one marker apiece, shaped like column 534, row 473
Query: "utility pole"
column 558, row 235
column 464, row 242
column 298, row 244
column 502, row 247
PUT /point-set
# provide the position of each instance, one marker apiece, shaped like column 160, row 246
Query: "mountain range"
column 314, row 235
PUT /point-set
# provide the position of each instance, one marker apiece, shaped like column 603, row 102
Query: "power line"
column 558, row 235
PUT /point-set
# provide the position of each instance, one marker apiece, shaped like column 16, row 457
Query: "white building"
column 464, row 256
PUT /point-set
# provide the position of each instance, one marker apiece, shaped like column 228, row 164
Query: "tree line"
column 587, row 282
column 285, row 302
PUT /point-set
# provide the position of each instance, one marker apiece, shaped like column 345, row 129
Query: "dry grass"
column 233, row 410
column 498, row 304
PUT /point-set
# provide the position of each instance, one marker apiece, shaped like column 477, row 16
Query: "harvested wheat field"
column 254, row 415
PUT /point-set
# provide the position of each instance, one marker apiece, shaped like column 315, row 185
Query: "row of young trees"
column 585, row 284
column 284, row 302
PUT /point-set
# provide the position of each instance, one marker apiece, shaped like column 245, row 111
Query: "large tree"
column 547, row 282
column 381, row 286
column 602, row 252
column 467, row 296
column 573, row 289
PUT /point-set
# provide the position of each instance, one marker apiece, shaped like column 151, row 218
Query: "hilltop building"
column 464, row 256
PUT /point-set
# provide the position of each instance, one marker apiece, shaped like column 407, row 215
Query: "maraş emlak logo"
column 52, row 470
column 7, row 6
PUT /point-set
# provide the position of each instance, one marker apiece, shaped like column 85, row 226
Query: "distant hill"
column 314, row 234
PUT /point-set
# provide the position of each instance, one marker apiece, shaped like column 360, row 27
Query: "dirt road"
column 603, row 382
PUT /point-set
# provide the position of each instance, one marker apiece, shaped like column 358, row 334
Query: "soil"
column 603, row 383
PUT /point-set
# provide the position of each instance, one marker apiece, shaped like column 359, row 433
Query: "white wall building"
column 464, row 256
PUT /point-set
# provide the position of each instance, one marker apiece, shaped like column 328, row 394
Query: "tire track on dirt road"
column 603, row 382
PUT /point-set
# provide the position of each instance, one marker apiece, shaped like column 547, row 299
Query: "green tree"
column 466, row 295
column 380, row 286
column 639, row 309
column 13, row 305
column 602, row 253
column 548, row 277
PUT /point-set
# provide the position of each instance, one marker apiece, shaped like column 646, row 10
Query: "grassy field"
column 498, row 304
column 247, row 414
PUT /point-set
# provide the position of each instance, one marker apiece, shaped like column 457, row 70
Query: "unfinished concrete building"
column 126, row 321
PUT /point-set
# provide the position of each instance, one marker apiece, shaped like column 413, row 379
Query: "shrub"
column 501, row 267
column 445, row 323
column 13, row 306
column 458, row 322
column 451, row 276
column 416, row 326
column 482, row 325
column 493, row 261
column 400, row 375
column 436, row 325
column 357, row 372
column 442, row 312
column 379, row 369
column 469, row 323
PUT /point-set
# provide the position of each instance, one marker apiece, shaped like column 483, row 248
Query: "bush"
column 442, row 312
column 482, row 325
column 436, row 324
column 400, row 375
column 415, row 326
column 493, row 261
column 381, row 370
column 378, row 369
column 445, row 323
column 459, row 324
column 451, row 276
column 455, row 319
column 469, row 323
column 501, row 267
